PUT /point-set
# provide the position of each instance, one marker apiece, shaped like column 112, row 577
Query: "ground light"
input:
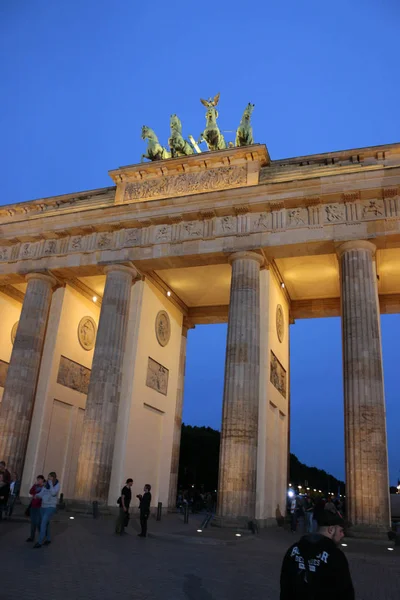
column 345, row 545
column 72, row 518
column 199, row 531
column 391, row 549
column 238, row 534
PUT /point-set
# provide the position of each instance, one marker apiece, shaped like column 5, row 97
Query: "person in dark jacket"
column 144, row 507
column 124, row 501
column 4, row 493
column 315, row 568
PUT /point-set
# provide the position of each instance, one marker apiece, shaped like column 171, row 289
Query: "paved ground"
column 88, row 562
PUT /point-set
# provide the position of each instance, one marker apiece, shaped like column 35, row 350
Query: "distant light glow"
column 290, row 493
column 168, row 293
column 94, row 298
column 282, row 285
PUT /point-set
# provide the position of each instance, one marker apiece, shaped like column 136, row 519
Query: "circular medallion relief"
column 14, row 332
column 163, row 328
column 280, row 323
column 87, row 330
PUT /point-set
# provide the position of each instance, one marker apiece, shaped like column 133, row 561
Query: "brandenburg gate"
column 99, row 288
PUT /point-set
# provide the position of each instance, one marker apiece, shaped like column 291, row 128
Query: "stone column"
column 367, row 485
column 238, row 453
column 176, row 441
column 20, row 387
column 101, row 413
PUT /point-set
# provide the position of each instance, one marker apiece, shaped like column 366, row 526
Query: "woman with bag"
column 33, row 510
column 48, row 494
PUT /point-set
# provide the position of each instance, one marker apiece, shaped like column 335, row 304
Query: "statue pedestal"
column 188, row 175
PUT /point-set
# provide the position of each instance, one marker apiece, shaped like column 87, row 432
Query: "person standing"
column 144, row 507
column 5, row 472
column 124, row 501
column 293, row 515
column 35, row 506
column 15, row 486
column 314, row 567
column 4, row 493
column 48, row 494
column 309, row 514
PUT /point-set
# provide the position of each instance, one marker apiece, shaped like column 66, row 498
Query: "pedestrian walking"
column 330, row 506
column 144, row 507
column 48, row 494
column 124, row 501
column 315, row 567
column 34, row 508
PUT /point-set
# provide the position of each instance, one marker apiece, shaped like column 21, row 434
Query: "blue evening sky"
column 80, row 78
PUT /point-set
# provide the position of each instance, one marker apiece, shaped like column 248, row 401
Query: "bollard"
column 61, row 504
column 186, row 514
column 397, row 538
column 95, row 507
column 159, row 511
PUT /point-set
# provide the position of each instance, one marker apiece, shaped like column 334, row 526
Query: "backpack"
column 119, row 501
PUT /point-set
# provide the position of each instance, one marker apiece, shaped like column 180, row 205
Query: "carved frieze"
column 297, row 217
column 76, row 243
column 193, row 229
column 261, row 221
column 3, row 372
column 132, row 237
column 162, row 233
column 4, row 254
column 226, row 225
column 50, row 247
column 157, row 377
column 73, row 375
column 27, row 250
column 372, row 209
column 186, row 183
column 335, row 213
column 277, row 375
column 104, row 241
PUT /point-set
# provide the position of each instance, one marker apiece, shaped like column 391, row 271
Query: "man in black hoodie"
column 315, row 568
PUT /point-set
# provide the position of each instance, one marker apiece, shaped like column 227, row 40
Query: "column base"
column 367, row 532
column 242, row 523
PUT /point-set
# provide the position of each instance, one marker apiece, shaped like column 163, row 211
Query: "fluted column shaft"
column 19, row 391
column 101, row 413
column 367, row 486
column 238, row 453
column 176, row 440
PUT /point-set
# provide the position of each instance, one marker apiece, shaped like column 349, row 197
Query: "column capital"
column 47, row 277
column 356, row 245
column 246, row 256
column 122, row 268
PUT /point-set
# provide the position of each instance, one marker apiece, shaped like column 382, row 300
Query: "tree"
column 199, row 462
